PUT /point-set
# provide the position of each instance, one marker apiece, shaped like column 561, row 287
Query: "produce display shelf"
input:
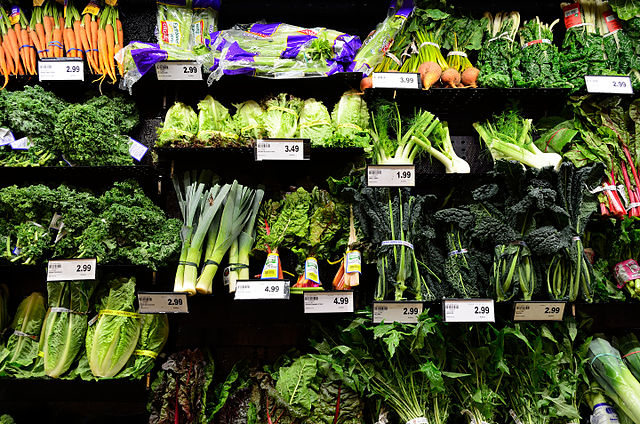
column 76, row 174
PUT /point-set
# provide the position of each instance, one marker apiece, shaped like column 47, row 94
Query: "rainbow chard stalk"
column 234, row 217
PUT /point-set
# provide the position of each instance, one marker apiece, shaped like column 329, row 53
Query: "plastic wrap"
column 279, row 50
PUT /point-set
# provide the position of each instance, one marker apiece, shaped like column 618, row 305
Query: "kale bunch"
column 130, row 229
column 95, row 133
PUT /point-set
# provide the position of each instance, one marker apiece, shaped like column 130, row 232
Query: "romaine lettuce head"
column 216, row 125
column 248, row 120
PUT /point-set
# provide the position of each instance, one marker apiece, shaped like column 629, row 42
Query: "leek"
column 615, row 378
column 209, row 205
column 241, row 246
column 234, row 217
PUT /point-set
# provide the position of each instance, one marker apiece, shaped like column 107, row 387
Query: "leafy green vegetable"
column 180, row 126
column 215, row 125
column 22, row 347
column 111, row 340
column 350, row 119
column 626, row 9
column 281, row 117
column 315, row 123
column 154, row 331
column 65, row 326
column 496, row 58
column 248, row 120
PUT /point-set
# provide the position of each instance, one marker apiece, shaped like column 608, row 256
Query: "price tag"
column 179, row 71
column 137, row 150
column 21, row 144
column 468, row 310
column 7, row 137
column 395, row 80
column 61, row 69
column 71, row 270
column 391, row 311
column 262, row 289
column 163, row 303
column 282, row 149
column 328, row 302
column 391, row 176
column 612, row 84
column 538, row 311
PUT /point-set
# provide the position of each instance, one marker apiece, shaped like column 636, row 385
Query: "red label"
column 164, row 30
column 308, row 32
column 572, row 15
column 613, row 24
column 626, row 271
column 543, row 40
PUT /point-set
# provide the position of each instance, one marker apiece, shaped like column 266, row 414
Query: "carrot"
column 103, row 51
column 77, row 40
column 36, row 43
column 57, row 42
column 21, row 49
column 3, row 67
column 93, row 25
column 110, row 53
column 15, row 52
column 44, row 47
column 120, row 34
column 27, row 47
column 65, row 41
column 48, row 30
column 85, row 44
column 7, row 56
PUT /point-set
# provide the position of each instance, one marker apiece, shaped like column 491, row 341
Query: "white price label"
column 611, row 84
column 262, row 289
column 163, row 303
column 538, row 311
column 179, row 71
column 137, row 150
column 468, row 310
column 280, row 149
column 7, row 138
column 420, row 420
column 328, row 302
column 23, row 143
column 62, row 69
column 395, row 80
column 391, row 176
column 390, row 311
column 71, row 270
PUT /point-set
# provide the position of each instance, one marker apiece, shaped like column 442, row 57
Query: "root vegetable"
column 429, row 74
column 450, row 78
column 470, row 77
column 365, row 83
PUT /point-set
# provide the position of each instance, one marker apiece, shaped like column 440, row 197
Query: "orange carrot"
column 40, row 33
column 10, row 65
column 110, row 46
column 27, row 48
column 65, row 41
column 77, row 39
column 120, row 34
column 58, row 46
column 3, row 67
column 102, row 50
column 36, row 42
column 93, row 25
column 85, row 45
column 48, row 30
column 13, row 44
column 21, row 50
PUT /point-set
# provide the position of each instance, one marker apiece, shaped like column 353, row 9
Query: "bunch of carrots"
column 55, row 31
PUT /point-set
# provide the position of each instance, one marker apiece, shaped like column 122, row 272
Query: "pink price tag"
column 626, row 271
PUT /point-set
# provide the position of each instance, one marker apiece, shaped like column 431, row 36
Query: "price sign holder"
column 610, row 84
column 538, row 311
column 406, row 312
column 408, row 80
column 328, row 302
column 176, row 70
column 163, row 303
column 262, row 290
column 391, row 176
column 468, row 310
column 61, row 69
column 71, row 269
column 283, row 149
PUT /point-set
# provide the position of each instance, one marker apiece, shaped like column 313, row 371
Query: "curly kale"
column 86, row 135
column 123, row 226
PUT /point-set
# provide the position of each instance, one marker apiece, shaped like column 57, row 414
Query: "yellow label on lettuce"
column 170, row 33
column 352, row 262
column 271, row 267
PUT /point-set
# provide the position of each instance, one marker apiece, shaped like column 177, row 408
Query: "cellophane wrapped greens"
column 111, row 339
column 180, row 126
column 22, row 347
